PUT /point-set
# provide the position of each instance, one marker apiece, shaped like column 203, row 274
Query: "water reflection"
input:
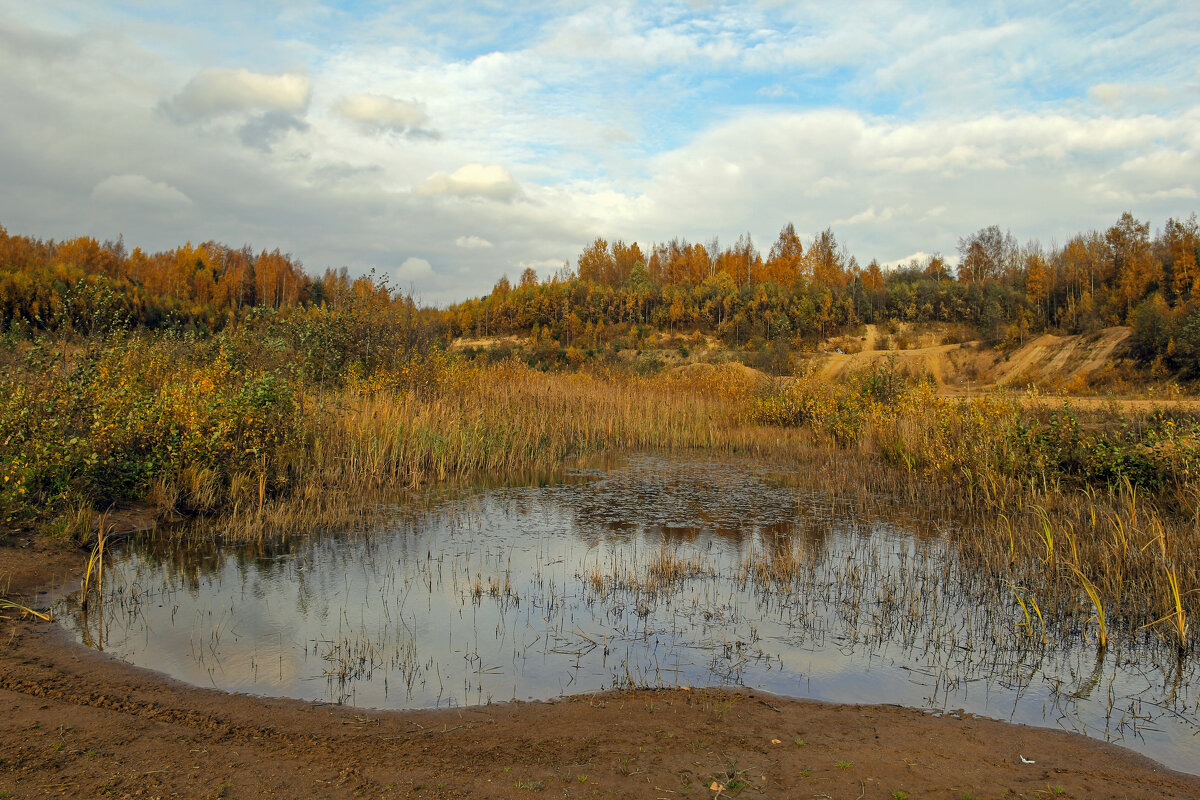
column 649, row 572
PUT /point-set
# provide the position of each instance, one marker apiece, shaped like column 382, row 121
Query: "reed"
column 508, row 418
column 9, row 604
column 1176, row 619
column 1036, row 493
column 1094, row 595
column 95, row 566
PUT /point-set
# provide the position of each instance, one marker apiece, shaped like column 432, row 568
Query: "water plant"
column 1094, row 595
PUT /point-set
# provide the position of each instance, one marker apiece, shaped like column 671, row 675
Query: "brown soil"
column 78, row 724
column 483, row 343
column 1142, row 405
column 1048, row 360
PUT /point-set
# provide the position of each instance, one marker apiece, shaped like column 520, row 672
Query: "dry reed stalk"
column 48, row 617
column 1094, row 594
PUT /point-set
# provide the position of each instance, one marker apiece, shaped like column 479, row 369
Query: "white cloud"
column 825, row 185
column 375, row 112
column 871, row 215
column 472, row 242
column 1119, row 96
column 214, row 92
column 615, row 134
column 486, row 181
column 414, row 269
column 920, row 257
column 1110, row 94
column 775, row 91
column 632, row 121
column 894, row 187
column 130, row 189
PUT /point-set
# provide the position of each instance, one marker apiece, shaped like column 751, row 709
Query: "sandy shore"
column 74, row 723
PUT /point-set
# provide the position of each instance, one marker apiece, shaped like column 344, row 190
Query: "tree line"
column 616, row 293
column 1004, row 289
column 84, row 284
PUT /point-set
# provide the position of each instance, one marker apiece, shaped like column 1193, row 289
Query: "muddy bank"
column 75, row 723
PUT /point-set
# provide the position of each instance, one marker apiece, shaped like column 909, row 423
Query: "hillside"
column 1071, row 363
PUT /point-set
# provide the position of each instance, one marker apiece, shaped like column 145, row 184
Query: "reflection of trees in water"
column 190, row 561
column 676, row 502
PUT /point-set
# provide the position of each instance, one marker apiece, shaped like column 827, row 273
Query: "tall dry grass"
column 240, row 428
column 1094, row 514
column 508, row 417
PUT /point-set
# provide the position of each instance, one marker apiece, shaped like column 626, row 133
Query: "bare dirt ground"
column 74, row 723
column 1059, row 367
column 1047, row 360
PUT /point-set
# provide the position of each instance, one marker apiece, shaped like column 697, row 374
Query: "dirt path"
column 935, row 360
column 871, row 338
column 77, row 724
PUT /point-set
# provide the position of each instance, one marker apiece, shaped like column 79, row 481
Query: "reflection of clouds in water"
column 649, row 573
column 218, row 636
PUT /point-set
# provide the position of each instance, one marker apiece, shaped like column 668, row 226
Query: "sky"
column 444, row 144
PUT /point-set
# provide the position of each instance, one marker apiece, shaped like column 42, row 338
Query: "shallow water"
column 651, row 572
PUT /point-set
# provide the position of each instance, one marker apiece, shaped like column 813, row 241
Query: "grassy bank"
column 231, row 424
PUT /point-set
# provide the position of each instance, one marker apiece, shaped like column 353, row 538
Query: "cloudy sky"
column 447, row 143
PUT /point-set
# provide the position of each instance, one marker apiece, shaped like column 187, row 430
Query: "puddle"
column 651, row 572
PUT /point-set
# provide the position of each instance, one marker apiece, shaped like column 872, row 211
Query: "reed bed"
column 1095, row 513
column 245, row 435
column 509, row 418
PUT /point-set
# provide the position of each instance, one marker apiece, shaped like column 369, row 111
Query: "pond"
column 650, row 571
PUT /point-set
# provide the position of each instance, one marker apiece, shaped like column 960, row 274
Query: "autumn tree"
column 1133, row 264
column 529, row 278
column 785, row 262
column 986, row 255
column 595, row 263
column 1037, row 283
column 936, row 268
column 1182, row 244
column 624, row 258
column 826, row 260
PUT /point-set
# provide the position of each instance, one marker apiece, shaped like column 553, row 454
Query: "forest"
column 616, row 295
column 1004, row 290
